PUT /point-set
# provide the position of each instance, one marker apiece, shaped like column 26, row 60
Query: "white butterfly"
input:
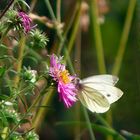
column 98, row 92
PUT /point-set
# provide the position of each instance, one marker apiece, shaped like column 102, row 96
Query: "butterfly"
column 98, row 92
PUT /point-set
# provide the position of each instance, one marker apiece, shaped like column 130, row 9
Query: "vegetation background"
column 100, row 36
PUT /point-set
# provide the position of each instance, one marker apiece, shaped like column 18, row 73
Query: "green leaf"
column 32, row 58
column 22, row 1
column 2, row 71
column 3, row 97
column 3, row 46
column 12, row 119
column 3, row 119
column 7, row 57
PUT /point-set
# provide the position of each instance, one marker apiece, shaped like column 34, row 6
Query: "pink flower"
column 66, row 88
column 26, row 21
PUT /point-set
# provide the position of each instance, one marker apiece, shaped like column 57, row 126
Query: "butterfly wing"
column 111, row 93
column 93, row 100
column 104, row 79
column 98, row 92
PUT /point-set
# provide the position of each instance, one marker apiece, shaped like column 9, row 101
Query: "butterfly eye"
column 108, row 95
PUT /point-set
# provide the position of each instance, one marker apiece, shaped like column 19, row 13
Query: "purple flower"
column 25, row 21
column 66, row 88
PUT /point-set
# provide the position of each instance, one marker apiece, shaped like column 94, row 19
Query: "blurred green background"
column 126, row 112
column 84, row 56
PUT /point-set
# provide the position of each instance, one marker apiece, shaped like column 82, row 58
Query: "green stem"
column 69, row 24
column 97, row 33
column 33, row 3
column 50, row 10
column 74, row 31
column 20, row 58
column 58, row 11
column 124, row 37
column 77, row 66
column 40, row 115
column 88, row 124
column 102, row 120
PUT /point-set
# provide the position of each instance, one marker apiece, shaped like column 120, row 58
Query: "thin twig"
column 58, row 11
column 50, row 10
column 6, row 8
column 33, row 3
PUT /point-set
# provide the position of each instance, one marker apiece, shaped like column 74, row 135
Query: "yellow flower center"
column 65, row 76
